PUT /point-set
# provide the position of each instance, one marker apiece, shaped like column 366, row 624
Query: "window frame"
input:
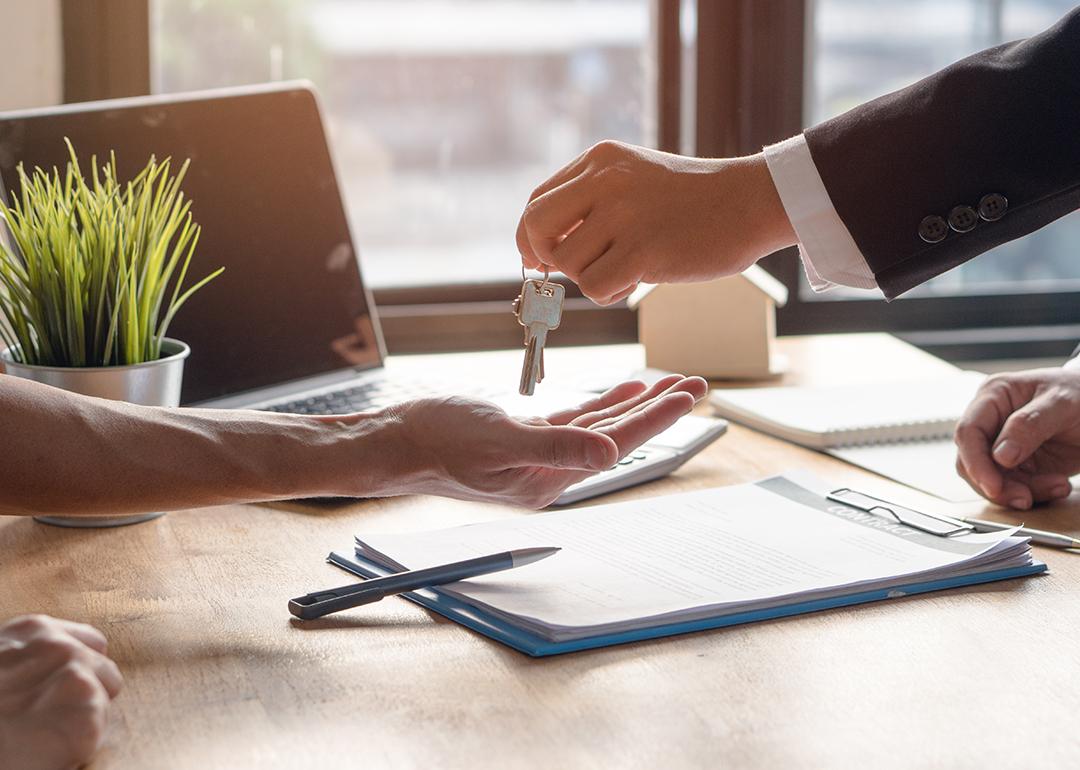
column 106, row 48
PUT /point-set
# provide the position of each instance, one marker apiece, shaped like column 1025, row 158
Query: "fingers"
column 582, row 247
column 41, row 656
column 528, row 257
column 973, row 459
column 693, row 386
column 1012, row 418
column 962, row 472
column 562, row 446
column 608, row 276
column 547, row 220
column 76, row 703
column 626, row 416
column 565, row 174
column 1051, row 486
column 623, row 294
column 1022, row 490
column 1015, row 494
column 107, row 672
column 616, row 408
column 975, row 434
column 654, row 417
column 88, row 635
column 41, row 645
column 614, row 395
column 1023, row 431
column 1030, row 426
column 73, row 684
column 26, row 627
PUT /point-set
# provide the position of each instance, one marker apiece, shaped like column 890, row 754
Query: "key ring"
column 545, row 282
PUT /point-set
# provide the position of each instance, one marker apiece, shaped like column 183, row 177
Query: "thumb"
column 1028, row 428
column 565, row 446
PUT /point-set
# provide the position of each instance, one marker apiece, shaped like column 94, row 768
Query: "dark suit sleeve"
column 980, row 153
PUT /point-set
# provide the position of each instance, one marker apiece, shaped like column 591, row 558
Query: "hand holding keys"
column 539, row 309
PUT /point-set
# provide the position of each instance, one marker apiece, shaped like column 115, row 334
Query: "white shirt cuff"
column 829, row 254
column 1073, row 361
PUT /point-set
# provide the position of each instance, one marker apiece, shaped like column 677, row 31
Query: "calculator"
column 655, row 459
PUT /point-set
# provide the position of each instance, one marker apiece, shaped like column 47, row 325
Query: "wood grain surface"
column 219, row 676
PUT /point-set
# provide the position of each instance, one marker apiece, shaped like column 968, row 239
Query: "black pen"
column 319, row 603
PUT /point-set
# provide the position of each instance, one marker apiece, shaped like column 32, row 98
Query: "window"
column 443, row 114
column 865, row 48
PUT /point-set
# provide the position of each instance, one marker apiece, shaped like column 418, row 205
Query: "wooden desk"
column 217, row 676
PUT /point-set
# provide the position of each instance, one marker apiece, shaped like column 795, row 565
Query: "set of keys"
column 539, row 309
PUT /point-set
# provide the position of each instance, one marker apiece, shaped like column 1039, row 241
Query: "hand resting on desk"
column 1019, row 439
column 55, row 686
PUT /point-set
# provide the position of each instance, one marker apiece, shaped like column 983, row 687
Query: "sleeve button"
column 933, row 229
column 963, row 219
column 992, row 207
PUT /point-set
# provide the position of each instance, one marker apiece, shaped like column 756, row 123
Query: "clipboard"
column 532, row 644
column 930, row 523
column 538, row 647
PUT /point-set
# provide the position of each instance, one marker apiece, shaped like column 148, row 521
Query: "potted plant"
column 91, row 276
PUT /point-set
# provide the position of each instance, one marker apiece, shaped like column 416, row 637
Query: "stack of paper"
column 698, row 560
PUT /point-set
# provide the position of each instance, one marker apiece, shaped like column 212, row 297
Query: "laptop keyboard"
column 356, row 398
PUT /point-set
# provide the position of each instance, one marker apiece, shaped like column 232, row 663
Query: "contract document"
column 678, row 563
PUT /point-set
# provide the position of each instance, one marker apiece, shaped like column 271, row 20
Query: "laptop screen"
column 290, row 303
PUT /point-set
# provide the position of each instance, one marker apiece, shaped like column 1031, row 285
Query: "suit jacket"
column 982, row 152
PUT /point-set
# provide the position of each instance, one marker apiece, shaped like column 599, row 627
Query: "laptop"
column 290, row 325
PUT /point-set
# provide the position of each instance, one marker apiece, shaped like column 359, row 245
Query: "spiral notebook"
column 901, row 430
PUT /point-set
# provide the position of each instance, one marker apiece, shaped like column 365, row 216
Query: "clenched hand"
column 55, row 686
column 1019, row 439
column 619, row 214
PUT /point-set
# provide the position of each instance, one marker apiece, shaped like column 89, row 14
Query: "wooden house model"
column 722, row 329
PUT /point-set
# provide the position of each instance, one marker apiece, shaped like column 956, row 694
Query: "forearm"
column 69, row 454
column 744, row 215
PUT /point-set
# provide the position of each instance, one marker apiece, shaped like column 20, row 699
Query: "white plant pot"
column 154, row 383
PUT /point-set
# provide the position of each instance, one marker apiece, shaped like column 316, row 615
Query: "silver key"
column 539, row 310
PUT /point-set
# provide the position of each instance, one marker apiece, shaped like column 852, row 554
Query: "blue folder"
column 536, row 646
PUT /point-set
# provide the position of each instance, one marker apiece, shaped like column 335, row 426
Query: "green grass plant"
column 93, row 271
